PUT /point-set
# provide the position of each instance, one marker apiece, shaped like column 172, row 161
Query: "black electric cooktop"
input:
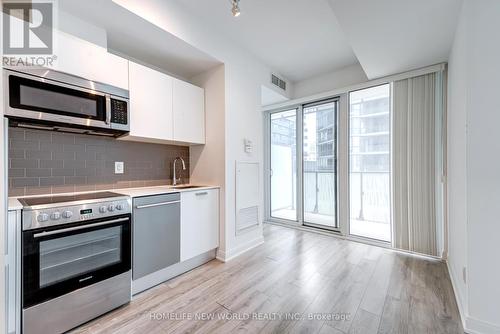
column 44, row 200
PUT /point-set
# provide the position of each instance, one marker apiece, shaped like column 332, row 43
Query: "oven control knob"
column 55, row 216
column 111, row 208
column 120, row 207
column 43, row 217
column 67, row 214
column 102, row 209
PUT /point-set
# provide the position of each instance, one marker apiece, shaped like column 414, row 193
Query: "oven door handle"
column 76, row 228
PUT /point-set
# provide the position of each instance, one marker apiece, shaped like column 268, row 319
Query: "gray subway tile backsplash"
column 24, row 163
column 17, row 154
column 51, row 181
column 42, row 162
column 51, row 163
column 19, row 182
column 38, row 172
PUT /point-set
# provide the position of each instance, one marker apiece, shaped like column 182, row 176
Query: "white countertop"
column 14, row 204
column 148, row 191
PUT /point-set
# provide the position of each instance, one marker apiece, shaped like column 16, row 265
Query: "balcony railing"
column 369, row 194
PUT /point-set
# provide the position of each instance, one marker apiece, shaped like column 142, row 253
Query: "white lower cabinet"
column 199, row 222
column 13, row 273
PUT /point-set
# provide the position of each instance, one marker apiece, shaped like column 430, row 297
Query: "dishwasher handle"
column 145, row 206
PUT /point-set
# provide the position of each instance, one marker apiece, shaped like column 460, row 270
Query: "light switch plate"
column 119, row 167
column 248, row 145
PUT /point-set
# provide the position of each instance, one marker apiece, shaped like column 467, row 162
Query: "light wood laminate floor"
column 297, row 282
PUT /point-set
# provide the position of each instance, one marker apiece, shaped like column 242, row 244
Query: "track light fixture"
column 236, row 8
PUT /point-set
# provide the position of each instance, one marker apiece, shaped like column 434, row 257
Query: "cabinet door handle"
column 7, row 234
column 155, row 204
column 7, row 294
column 202, row 193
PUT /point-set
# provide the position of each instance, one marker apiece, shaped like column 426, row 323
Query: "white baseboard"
column 458, row 294
column 470, row 324
column 228, row 255
column 476, row 326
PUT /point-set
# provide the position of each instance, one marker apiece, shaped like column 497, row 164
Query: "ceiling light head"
column 236, row 8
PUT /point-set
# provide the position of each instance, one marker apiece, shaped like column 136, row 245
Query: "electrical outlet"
column 119, row 167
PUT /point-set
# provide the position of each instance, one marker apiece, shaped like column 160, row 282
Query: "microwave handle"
column 108, row 109
column 76, row 228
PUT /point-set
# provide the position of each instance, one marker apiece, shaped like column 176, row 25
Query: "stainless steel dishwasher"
column 156, row 233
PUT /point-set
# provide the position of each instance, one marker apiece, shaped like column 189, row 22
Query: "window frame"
column 343, row 195
column 300, row 166
column 348, row 222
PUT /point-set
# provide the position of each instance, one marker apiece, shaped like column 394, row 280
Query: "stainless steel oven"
column 76, row 259
column 58, row 101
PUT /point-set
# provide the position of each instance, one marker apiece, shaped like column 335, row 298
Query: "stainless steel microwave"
column 48, row 99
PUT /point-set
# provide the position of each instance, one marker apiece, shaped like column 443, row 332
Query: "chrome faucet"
column 183, row 168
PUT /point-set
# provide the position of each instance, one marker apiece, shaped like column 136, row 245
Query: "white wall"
column 243, row 120
column 474, row 75
column 456, row 155
column 483, row 160
column 329, row 81
column 207, row 161
column 244, row 76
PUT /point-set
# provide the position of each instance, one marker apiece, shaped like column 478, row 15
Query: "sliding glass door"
column 303, row 164
column 283, row 153
column 319, row 161
column 334, row 155
column 370, row 163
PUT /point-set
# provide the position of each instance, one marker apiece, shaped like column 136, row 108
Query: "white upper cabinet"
column 84, row 59
column 189, row 113
column 150, row 104
column 164, row 109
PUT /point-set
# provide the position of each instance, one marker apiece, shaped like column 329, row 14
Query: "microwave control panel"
column 119, row 112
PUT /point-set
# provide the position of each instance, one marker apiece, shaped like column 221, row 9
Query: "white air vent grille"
column 247, row 196
column 247, row 217
column 278, row 82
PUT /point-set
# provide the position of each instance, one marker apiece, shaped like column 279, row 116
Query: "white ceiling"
column 298, row 39
column 130, row 35
column 392, row 36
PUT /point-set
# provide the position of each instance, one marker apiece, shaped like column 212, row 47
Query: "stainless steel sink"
column 186, row 186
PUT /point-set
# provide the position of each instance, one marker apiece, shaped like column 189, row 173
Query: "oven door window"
column 75, row 255
column 63, row 261
column 55, row 99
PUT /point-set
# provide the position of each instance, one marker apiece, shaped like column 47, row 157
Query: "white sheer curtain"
column 417, row 155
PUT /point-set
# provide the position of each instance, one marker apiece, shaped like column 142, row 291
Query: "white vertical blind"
column 415, row 164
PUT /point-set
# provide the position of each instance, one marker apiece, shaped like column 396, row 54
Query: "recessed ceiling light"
column 236, row 8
